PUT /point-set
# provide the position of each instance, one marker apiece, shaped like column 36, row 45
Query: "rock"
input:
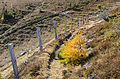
column 30, row 51
column 23, row 53
column 17, row 57
column 89, row 40
column 25, row 62
column 88, row 66
column 90, row 77
column 89, row 49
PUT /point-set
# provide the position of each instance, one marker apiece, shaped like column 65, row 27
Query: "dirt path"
column 56, row 68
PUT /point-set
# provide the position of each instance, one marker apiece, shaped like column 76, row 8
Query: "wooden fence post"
column 83, row 18
column 39, row 37
column 71, row 22
column 13, row 59
column 77, row 21
column 55, row 30
column 65, row 23
column 87, row 19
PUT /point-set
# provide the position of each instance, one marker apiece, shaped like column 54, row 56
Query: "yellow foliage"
column 72, row 51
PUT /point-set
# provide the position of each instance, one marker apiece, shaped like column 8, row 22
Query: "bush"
column 74, row 51
column 105, row 7
column 99, row 6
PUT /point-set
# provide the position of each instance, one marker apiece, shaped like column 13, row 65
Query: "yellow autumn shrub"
column 73, row 51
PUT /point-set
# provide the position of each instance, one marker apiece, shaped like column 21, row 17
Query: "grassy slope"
column 105, row 63
column 33, row 70
column 106, row 45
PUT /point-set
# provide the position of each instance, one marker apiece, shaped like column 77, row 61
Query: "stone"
column 17, row 57
column 30, row 51
column 25, row 62
column 23, row 53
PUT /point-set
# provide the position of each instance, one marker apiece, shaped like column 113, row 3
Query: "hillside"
column 88, row 51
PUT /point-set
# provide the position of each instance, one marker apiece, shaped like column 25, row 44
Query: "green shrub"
column 99, row 6
column 105, row 7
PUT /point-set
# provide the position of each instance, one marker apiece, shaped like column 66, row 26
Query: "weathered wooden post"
column 65, row 23
column 55, row 30
column 39, row 37
column 13, row 59
column 71, row 22
column 77, row 21
column 83, row 18
column 87, row 20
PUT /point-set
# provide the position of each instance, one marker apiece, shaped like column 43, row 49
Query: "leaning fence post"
column 65, row 23
column 87, row 20
column 13, row 59
column 77, row 21
column 71, row 22
column 83, row 18
column 55, row 30
column 39, row 37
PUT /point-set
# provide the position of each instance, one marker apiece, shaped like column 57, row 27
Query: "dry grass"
column 35, row 68
column 106, row 50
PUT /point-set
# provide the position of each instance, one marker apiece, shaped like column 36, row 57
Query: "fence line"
column 10, row 46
